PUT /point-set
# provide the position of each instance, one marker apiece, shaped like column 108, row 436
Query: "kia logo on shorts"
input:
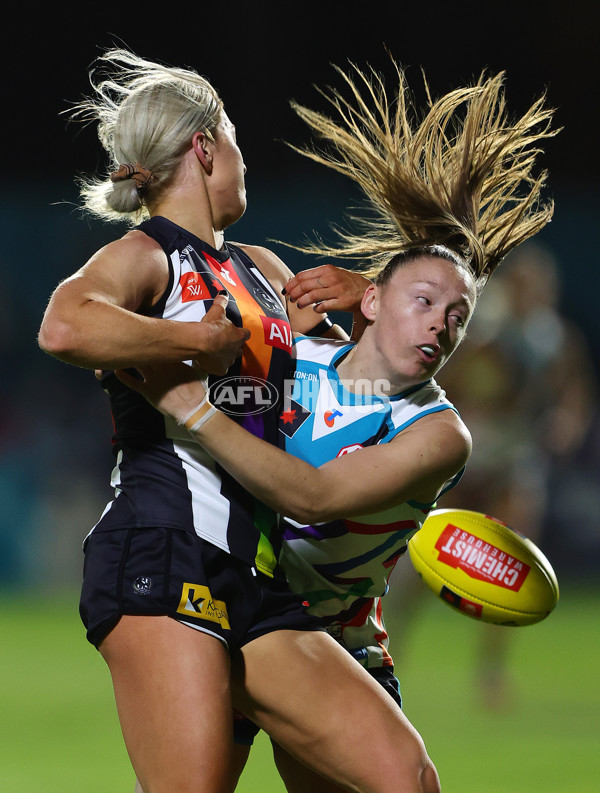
column 243, row 396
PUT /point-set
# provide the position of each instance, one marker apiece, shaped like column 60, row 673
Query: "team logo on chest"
column 267, row 301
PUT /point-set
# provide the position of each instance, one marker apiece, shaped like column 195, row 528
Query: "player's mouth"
column 429, row 352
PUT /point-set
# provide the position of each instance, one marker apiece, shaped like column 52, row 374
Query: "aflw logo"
column 193, row 288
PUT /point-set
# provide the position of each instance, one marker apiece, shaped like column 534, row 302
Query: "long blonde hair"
column 461, row 177
column 146, row 113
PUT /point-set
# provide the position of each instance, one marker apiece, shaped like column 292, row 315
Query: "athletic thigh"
column 322, row 707
column 173, row 695
column 299, row 778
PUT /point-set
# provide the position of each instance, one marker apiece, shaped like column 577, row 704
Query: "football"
column 483, row 568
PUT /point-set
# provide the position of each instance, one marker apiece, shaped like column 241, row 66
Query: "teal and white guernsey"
column 342, row 567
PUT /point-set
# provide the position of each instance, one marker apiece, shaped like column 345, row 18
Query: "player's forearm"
column 281, row 481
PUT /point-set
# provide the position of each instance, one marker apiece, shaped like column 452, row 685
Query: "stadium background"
column 54, row 424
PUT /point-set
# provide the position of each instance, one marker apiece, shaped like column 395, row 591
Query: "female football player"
column 179, row 568
column 371, row 441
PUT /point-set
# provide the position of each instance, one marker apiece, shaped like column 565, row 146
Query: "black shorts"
column 178, row 574
column 245, row 730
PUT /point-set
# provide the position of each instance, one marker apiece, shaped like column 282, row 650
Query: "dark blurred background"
column 55, row 427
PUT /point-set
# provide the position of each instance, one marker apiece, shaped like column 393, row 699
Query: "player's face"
column 228, row 191
column 421, row 316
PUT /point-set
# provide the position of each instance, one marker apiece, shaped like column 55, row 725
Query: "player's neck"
column 357, row 368
column 187, row 205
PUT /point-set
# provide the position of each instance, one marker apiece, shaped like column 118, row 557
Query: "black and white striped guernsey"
column 161, row 477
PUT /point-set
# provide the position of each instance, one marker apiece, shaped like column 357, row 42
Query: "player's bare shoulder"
column 133, row 246
column 135, row 262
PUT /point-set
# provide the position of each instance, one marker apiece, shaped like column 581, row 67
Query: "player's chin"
column 435, row 366
column 425, row 370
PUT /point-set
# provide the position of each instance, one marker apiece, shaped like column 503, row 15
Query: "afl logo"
column 243, row 396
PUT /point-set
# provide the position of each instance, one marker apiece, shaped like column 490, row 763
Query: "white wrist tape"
column 204, row 417
column 183, row 422
column 198, row 416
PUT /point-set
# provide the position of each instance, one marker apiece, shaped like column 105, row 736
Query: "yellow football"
column 483, row 568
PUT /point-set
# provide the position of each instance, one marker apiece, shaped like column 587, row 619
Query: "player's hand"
column 329, row 287
column 175, row 389
column 225, row 340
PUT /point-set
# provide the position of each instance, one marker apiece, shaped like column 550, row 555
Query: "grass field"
column 59, row 732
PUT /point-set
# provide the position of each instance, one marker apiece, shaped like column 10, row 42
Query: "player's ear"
column 370, row 302
column 202, row 149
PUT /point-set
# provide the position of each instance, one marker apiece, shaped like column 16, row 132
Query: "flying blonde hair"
column 461, row 177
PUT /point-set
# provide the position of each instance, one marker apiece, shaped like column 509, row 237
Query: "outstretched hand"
column 226, row 340
column 174, row 388
column 330, row 288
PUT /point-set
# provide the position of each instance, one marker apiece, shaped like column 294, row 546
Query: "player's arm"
column 311, row 293
column 414, row 465
column 92, row 320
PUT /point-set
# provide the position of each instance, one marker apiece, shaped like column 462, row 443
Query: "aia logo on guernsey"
column 479, row 559
column 193, row 288
column 277, row 333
